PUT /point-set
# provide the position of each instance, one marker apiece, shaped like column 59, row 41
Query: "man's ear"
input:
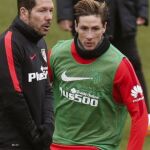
column 104, row 28
column 76, row 26
column 24, row 13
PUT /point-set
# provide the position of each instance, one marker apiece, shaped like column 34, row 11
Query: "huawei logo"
column 137, row 93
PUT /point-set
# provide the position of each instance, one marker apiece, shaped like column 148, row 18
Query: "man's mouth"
column 46, row 27
column 88, row 44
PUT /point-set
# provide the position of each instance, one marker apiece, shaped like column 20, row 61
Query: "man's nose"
column 89, row 34
column 49, row 15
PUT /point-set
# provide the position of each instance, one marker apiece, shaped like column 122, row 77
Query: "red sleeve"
column 127, row 90
column 49, row 66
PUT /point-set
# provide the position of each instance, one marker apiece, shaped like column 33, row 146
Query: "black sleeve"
column 13, row 100
column 48, row 114
column 47, row 127
column 142, row 10
column 64, row 10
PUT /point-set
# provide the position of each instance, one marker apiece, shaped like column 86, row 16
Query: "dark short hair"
column 91, row 7
column 28, row 4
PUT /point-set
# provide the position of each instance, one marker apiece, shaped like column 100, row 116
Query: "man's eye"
column 42, row 10
column 51, row 10
column 84, row 28
column 96, row 29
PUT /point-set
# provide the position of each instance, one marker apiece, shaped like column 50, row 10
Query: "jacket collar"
column 26, row 30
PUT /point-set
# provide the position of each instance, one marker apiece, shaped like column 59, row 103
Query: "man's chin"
column 42, row 33
column 89, row 48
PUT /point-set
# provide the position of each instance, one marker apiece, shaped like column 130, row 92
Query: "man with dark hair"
column 94, row 87
column 125, row 16
column 28, row 4
column 26, row 111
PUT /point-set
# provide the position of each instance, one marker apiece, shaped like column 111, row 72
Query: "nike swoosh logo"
column 33, row 56
column 65, row 78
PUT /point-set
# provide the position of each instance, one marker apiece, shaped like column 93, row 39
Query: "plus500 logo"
column 80, row 97
column 38, row 76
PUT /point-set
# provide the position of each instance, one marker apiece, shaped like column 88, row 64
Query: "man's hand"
column 42, row 137
column 140, row 21
column 46, row 135
column 66, row 25
column 148, row 130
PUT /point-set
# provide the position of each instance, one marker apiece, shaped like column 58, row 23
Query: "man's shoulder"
column 115, row 50
column 113, row 55
column 2, row 35
column 12, row 35
column 7, row 37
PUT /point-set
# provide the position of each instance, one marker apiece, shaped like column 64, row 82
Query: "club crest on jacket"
column 44, row 54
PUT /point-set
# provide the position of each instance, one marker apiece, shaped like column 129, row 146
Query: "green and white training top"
column 85, row 111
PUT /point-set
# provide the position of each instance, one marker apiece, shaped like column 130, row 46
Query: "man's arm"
column 127, row 91
column 14, row 103
column 47, row 127
column 50, row 71
column 64, row 10
column 65, row 14
column 48, row 116
column 142, row 12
